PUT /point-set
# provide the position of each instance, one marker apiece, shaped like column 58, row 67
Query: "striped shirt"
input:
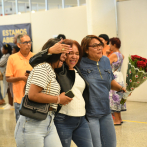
column 3, row 60
column 44, row 76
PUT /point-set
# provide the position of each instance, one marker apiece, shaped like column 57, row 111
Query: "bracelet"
column 121, row 88
column 58, row 100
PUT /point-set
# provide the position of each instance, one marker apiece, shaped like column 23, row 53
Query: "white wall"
column 101, row 15
column 15, row 19
column 46, row 24
column 132, row 30
column 70, row 21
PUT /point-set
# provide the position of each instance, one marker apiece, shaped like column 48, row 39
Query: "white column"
column 101, row 17
column 46, row 4
column 30, row 5
column 89, row 16
column 78, row 2
column 16, row 6
column 3, row 8
column 37, row 7
column 63, row 4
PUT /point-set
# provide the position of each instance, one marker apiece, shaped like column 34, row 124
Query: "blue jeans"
column 102, row 131
column 73, row 128
column 1, row 97
column 17, row 114
column 35, row 133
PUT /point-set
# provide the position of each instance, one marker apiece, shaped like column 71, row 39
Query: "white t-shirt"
column 44, row 76
column 77, row 106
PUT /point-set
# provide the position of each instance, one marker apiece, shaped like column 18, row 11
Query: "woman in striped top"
column 42, row 87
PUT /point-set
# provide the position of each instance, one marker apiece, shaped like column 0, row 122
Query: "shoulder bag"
column 33, row 109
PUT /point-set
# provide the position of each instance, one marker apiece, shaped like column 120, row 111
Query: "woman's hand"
column 59, row 48
column 123, row 89
column 64, row 100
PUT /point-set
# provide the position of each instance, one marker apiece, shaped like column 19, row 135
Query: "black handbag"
column 33, row 109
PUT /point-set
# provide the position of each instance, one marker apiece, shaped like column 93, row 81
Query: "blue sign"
column 7, row 32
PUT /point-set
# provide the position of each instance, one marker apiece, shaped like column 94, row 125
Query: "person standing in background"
column 105, row 39
column 61, row 36
column 17, row 65
column 6, row 51
column 15, row 49
column 116, row 60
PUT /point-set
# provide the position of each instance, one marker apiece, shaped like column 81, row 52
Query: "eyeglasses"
column 26, row 42
column 95, row 46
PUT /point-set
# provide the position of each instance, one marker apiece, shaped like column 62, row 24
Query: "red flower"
column 136, row 76
column 132, row 88
column 130, row 80
column 141, row 64
column 144, row 59
column 144, row 77
column 138, row 82
column 133, row 57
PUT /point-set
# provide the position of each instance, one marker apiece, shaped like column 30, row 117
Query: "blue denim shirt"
column 99, row 76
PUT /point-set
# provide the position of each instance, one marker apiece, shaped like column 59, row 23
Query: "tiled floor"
column 132, row 133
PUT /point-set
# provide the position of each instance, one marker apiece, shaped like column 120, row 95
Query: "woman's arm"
column 43, row 55
column 4, row 60
column 16, row 79
column 115, row 86
column 36, row 95
column 113, row 58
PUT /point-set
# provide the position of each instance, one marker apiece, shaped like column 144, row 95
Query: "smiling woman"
column 97, row 71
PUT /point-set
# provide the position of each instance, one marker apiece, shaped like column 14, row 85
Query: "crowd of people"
column 90, row 70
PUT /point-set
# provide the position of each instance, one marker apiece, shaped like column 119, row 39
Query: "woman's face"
column 4, row 51
column 59, row 63
column 103, row 40
column 72, row 57
column 95, row 50
column 112, row 47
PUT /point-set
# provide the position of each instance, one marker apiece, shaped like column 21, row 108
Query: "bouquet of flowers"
column 136, row 74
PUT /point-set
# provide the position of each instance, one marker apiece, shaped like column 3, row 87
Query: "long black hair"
column 8, row 48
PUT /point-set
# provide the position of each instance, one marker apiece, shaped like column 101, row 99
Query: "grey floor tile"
column 132, row 133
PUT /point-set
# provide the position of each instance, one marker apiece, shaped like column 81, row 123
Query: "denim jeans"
column 17, row 114
column 73, row 128
column 35, row 133
column 102, row 131
column 1, row 97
